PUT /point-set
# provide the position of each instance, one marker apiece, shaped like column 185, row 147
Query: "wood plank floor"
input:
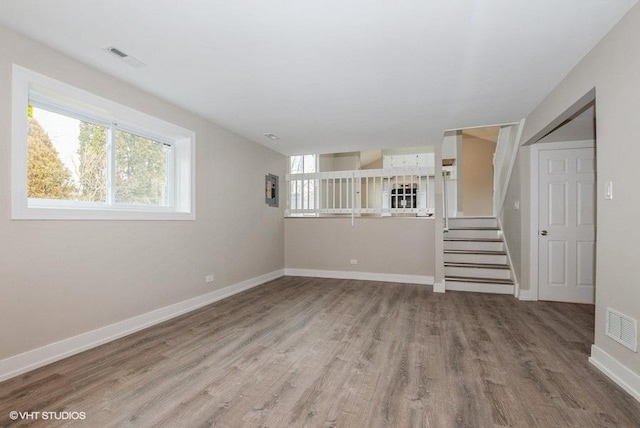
column 343, row 353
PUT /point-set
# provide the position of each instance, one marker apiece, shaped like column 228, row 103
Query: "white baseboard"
column 613, row 369
column 479, row 287
column 439, row 287
column 365, row 276
column 524, row 295
column 30, row 360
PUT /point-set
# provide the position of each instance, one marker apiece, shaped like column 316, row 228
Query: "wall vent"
column 118, row 52
column 125, row 57
column 622, row 329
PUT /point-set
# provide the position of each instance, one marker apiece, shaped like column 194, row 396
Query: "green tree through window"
column 140, row 173
column 92, row 164
column 141, row 170
column 47, row 176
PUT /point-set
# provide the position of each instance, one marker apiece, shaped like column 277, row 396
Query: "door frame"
column 534, row 200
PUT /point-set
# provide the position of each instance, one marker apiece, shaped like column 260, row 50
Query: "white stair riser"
column 472, row 222
column 496, row 259
column 473, row 246
column 479, row 287
column 472, row 234
column 472, row 272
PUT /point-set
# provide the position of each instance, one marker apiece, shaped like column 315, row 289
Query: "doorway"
column 468, row 157
column 475, row 185
column 563, row 167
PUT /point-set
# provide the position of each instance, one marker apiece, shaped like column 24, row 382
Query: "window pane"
column 296, row 164
column 141, row 170
column 310, row 163
column 66, row 158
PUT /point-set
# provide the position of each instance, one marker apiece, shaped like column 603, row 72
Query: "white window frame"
column 316, row 160
column 66, row 99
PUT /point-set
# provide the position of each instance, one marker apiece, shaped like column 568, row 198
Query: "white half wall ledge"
column 617, row 372
column 364, row 276
column 39, row 357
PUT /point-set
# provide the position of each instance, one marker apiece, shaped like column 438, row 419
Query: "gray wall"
column 338, row 162
column 612, row 68
column 392, row 245
column 62, row 278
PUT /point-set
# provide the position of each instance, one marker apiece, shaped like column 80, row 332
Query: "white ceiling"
column 331, row 75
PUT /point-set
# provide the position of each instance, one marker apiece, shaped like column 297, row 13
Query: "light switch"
column 516, row 205
column 608, row 190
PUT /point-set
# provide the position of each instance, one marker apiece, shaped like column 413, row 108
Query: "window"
column 302, row 164
column 79, row 156
column 303, row 195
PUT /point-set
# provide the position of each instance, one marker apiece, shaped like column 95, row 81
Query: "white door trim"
column 533, row 238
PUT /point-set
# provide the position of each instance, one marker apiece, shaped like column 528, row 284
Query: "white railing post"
column 353, row 198
column 445, row 198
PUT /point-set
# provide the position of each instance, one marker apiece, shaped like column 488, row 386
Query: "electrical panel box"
column 271, row 190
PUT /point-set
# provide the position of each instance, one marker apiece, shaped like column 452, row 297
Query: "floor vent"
column 622, row 329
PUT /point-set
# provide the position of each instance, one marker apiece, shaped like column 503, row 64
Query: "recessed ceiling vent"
column 123, row 56
column 622, row 329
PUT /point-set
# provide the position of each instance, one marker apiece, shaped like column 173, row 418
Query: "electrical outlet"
column 353, row 261
column 209, row 278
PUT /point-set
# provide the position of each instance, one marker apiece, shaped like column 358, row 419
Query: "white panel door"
column 566, row 238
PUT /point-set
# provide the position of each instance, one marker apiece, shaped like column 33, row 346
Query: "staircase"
column 475, row 258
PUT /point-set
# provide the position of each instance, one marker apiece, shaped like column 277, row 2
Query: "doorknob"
column 543, row 232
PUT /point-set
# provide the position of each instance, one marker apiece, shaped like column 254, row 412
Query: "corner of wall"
column 616, row 371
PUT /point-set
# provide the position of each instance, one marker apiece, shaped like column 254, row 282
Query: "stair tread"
column 479, row 280
column 477, row 252
column 478, row 265
column 473, row 280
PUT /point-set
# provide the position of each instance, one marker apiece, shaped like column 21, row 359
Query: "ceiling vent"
column 622, row 329
column 123, row 56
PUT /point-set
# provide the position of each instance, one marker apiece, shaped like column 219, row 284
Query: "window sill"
column 42, row 213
